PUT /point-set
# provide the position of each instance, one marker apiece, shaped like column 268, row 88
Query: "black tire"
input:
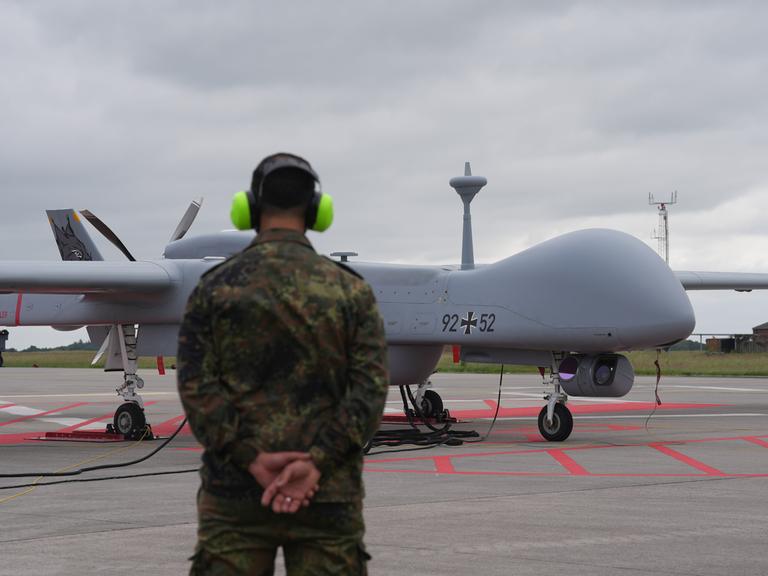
column 1, row 361
column 129, row 419
column 431, row 404
column 562, row 423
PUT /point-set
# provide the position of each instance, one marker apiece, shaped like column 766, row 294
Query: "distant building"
column 761, row 332
column 740, row 343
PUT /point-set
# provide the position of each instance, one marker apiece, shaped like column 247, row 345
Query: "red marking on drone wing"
column 18, row 310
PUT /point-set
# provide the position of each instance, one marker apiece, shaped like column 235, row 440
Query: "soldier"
column 282, row 374
column 3, row 340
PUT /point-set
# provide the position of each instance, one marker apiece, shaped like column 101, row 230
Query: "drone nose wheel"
column 560, row 427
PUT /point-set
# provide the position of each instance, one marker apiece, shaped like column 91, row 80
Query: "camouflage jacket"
column 282, row 349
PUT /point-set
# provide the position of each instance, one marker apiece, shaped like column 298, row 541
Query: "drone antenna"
column 467, row 187
column 662, row 233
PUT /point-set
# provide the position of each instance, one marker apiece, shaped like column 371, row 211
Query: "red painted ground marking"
column 443, row 465
column 700, row 440
column 92, row 420
column 18, row 438
column 31, row 416
column 487, row 454
column 558, row 474
column 656, row 444
column 568, row 463
column 533, row 432
column 533, row 411
column 169, row 426
column 756, row 440
column 692, row 462
column 7, row 405
column 492, row 404
column 18, row 310
column 465, row 472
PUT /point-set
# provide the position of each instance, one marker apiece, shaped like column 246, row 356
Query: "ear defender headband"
column 246, row 205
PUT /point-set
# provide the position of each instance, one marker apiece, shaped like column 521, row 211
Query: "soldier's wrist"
column 244, row 454
column 319, row 458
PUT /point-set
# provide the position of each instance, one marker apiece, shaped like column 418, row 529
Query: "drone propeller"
column 107, row 233
column 186, row 220
column 184, row 224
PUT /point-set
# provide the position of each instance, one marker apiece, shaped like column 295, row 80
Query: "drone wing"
column 83, row 277
column 739, row 281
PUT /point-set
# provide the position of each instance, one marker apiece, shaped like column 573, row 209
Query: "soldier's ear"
column 241, row 212
column 320, row 212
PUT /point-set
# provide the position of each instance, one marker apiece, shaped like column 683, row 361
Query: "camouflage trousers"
column 240, row 536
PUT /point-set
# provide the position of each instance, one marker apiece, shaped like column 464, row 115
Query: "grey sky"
column 574, row 111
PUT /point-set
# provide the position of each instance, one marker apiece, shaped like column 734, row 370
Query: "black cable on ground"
column 425, row 440
column 496, row 414
column 71, row 480
column 99, row 467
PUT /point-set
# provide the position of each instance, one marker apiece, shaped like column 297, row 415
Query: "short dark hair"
column 287, row 188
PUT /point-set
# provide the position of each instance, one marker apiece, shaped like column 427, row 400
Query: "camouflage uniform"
column 281, row 349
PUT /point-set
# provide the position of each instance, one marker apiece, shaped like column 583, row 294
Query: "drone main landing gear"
column 555, row 420
column 129, row 419
column 428, row 403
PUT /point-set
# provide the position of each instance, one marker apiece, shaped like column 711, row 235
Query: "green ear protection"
column 246, row 205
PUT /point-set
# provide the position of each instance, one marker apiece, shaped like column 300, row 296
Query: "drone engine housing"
column 604, row 375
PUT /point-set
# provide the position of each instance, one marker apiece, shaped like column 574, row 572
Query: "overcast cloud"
column 574, row 111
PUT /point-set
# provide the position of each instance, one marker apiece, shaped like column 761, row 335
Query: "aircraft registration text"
column 483, row 323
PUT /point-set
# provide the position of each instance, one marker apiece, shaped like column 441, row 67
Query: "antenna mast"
column 467, row 186
column 662, row 233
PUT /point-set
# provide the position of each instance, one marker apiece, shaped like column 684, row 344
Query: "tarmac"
column 683, row 493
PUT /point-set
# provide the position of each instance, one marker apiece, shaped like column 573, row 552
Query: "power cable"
column 425, row 440
column 66, row 472
column 101, row 479
column 657, row 398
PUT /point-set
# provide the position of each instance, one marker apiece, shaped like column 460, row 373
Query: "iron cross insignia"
column 469, row 322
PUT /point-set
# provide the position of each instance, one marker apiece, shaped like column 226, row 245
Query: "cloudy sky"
column 574, row 111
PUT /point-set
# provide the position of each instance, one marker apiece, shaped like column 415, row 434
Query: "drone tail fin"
column 71, row 237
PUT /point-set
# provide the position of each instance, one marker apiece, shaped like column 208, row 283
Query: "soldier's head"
column 285, row 192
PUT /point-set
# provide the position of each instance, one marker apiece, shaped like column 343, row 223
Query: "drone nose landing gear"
column 555, row 419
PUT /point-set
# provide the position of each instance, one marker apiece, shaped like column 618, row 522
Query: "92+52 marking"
column 452, row 322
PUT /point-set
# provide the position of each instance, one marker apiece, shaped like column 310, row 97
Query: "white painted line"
column 21, row 410
column 628, row 416
column 448, row 401
column 84, row 395
column 62, row 421
column 96, row 425
column 724, row 388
